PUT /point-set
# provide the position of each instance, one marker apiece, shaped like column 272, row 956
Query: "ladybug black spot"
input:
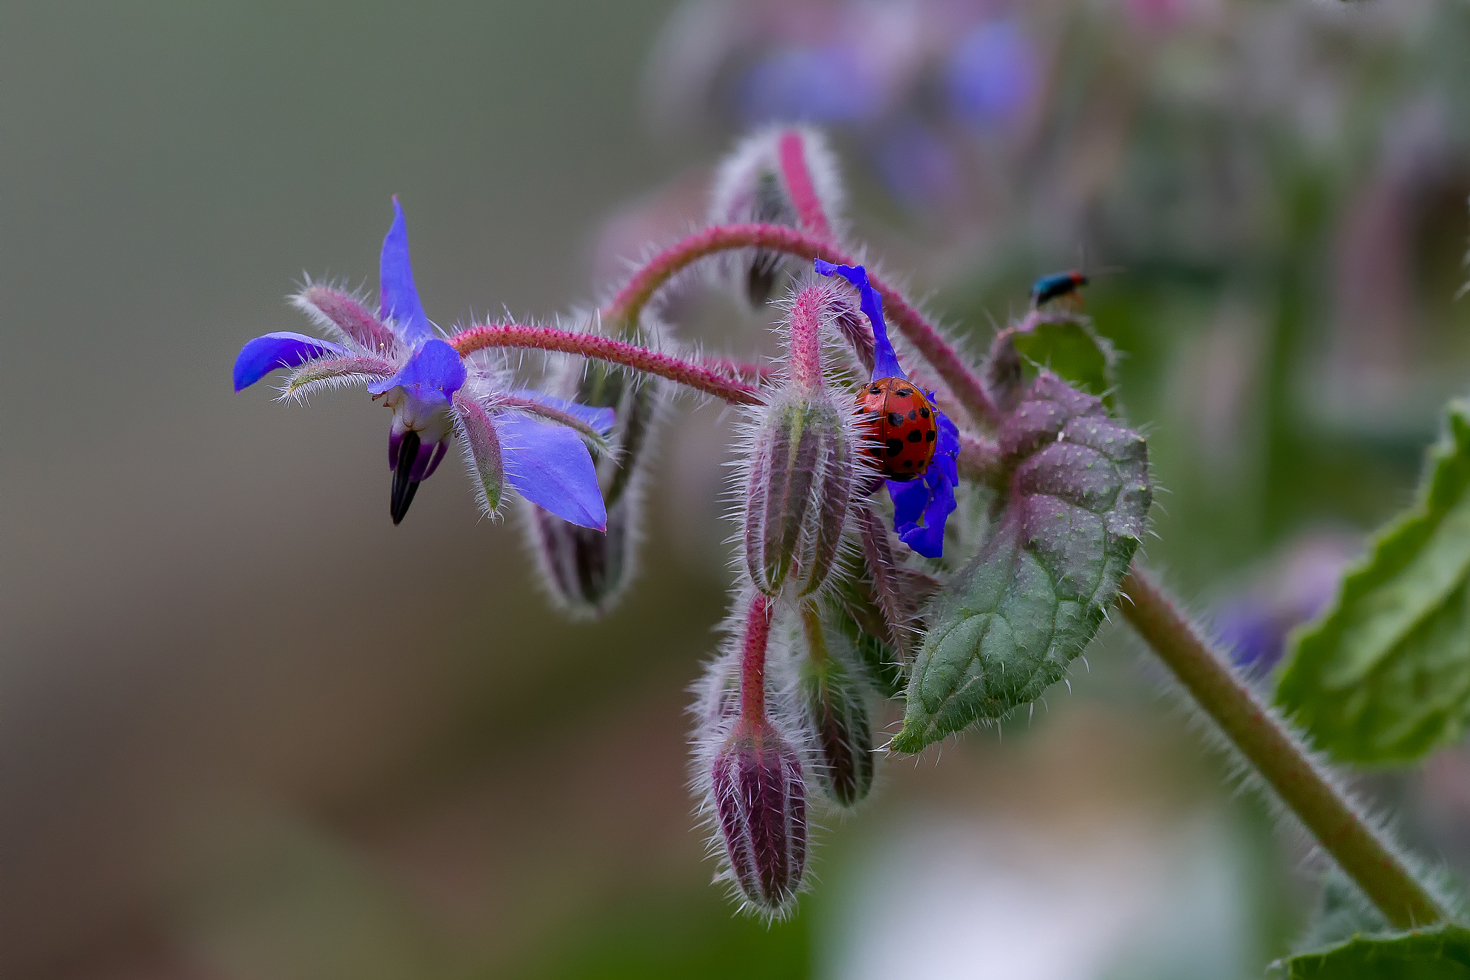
column 908, row 464
column 875, row 389
column 895, row 419
column 930, row 436
column 904, row 392
column 923, row 413
column 916, row 436
column 895, row 446
column 913, row 414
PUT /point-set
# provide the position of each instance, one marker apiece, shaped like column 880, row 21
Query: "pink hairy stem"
column 695, row 376
column 629, row 302
column 806, row 336
column 740, row 369
column 799, row 182
column 753, row 659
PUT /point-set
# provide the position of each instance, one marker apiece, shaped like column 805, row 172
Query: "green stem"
column 1278, row 755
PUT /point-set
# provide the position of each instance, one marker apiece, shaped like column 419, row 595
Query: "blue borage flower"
column 535, row 443
column 920, row 507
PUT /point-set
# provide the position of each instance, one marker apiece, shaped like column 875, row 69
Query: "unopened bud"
column 587, row 570
column 760, row 806
column 834, row 694
column 800, row 487
column 784, row 176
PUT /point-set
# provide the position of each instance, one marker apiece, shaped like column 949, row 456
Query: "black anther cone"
column 403, row 487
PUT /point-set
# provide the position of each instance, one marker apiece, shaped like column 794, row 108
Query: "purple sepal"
column 263, row 355
column 550, row 466
column 601, row 419
column 885, row 362
column 432, row 375
column 398, row 298
column 922, row 507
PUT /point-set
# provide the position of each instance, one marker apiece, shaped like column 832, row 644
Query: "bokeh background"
column 249, row 729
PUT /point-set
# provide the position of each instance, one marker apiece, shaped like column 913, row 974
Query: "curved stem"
column 629, row 302
column 792, row 153
column 605, row 348
column 1364, row 852
column 743, row 370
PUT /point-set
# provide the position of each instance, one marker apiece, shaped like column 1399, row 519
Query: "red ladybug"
column 899, row 420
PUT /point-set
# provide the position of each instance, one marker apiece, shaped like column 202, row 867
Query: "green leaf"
column 1384, row 675
column 1071, row 349
column 1029, row 602
column 1441, row 953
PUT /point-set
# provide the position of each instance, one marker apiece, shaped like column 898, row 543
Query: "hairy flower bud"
column 798, row 492
column 587, row 570
column 834, row 692
column 760, row 806
column 783, row 176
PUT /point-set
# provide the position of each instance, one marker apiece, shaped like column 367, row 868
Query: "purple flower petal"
column 550, row 466
column 601, row 419
column 909, row 497
column 885, row 362
column 432, row 375
column 263, row 355
column 398, row 298
column 928, row 540
column 922, row 507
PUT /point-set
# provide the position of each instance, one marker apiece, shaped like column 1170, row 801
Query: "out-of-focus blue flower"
column 827, row 84
column 434, row 396
column 921, row 506
column 992, row 74
column 915, row 165
column 1297, row 585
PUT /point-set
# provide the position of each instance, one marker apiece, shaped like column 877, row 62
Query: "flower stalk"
column 626, row 306
column 792, row 152
column 698, row 377
column 1364, row 852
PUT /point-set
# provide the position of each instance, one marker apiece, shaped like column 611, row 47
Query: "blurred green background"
column 249, row 729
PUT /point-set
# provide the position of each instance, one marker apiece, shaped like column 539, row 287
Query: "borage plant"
column 911, row 525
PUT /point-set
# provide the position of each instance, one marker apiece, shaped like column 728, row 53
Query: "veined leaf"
column 1029, row 602
column 1384, row 675
column 1442, row 953
column 1072, row 349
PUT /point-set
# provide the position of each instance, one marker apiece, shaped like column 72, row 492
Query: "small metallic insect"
column 1057, row 286
column 899, row 419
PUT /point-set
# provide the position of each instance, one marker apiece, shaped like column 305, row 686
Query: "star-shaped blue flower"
column 922, row 506
column 532, row 442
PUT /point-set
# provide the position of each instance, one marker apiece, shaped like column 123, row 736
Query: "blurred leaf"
column 1384, row 675
column 673, row 936
column 1427, row 954
column 1071, row 349
column 1029, row 602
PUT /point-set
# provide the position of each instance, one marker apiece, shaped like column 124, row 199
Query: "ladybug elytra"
column 898, row 418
